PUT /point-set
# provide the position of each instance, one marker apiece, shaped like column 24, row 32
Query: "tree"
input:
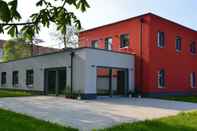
column 50, row 12
column 16, row 49
column 69, row 39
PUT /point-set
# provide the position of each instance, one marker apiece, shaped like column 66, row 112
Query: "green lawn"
column 6, row 93
column 10, row 121
column 192, row 99
column 181, row 122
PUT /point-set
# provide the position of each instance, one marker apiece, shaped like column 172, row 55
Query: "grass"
column 6, row 93
column 10, row 121
column 192, row 99
column 181, row 122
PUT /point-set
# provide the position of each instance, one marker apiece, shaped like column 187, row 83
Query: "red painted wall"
column 177, row 66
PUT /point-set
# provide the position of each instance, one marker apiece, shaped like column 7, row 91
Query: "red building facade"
column 166, row 54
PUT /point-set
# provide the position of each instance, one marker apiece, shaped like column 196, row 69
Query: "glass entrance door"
column 55, row 81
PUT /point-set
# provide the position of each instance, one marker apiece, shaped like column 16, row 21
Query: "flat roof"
column 140, row 16
column 68, row 50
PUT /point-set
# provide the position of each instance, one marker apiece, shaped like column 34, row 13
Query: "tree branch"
column 17, row 24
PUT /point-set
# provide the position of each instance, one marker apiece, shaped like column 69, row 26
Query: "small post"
column 56, row 83
column 110, row 83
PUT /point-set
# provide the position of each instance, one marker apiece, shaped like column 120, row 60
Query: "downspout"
column 72, row 54
column 141, row 55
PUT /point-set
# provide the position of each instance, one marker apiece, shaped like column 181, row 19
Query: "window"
column 14, row 78
column 108, row 43
column 124, row 40
column 3, row 78
column 95, row 44
column 160, row 39
column 161, row 79
column 29, row 77
column 1, row 52
column 193, row 47
column 193, row 80
column 178, row 43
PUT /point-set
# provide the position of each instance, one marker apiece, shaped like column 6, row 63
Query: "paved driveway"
column 100, row 113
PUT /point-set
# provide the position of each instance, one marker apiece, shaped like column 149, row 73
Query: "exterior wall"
column 38, row 64
column 177, row 66
column 85, row 62
column 132, row 27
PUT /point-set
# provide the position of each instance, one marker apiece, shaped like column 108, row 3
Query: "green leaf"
column 13, row 4
column 40, row 3
column 4, row 12
column 13, row 10
column 13, row 30
column 28, row 32
column 83, row 5
column 17, row 16
column 1, row 29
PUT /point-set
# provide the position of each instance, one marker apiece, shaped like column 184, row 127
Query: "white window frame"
column 95, row 43
column 193, row 80
column 29, row 85
column 178, row 43
column 159, row 44
column 109, row 45
column 192, row 47
column 158, row 79
column 125, row 46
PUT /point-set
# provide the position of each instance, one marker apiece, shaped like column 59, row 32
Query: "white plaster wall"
column 38, row 64
column 79, row 71
column 84, row 69
column 92, row 58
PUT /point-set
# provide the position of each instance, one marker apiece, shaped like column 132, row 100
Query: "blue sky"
column 107, row 11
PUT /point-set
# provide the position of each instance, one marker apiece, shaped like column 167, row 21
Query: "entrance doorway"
column 121, row 82
column 112, row 82
column 55, row 81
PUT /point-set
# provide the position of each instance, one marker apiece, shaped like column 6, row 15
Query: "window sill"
column 126, row 47
column 29, row 86
column 161, row 87
column 178, row 51
column 161, row 47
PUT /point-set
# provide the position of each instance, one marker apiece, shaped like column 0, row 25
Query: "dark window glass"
column 193, row 47
column 95, row 44
column 29, row 77
column 15, row 78
column 160, row 39
column 108, row 43
column 193, row 79
column 161, row 79
column 3, row 78
column 124, row 40
column 178, row 43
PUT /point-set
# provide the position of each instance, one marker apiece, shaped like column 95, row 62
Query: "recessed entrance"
column 112, row 82
column 55, row 81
